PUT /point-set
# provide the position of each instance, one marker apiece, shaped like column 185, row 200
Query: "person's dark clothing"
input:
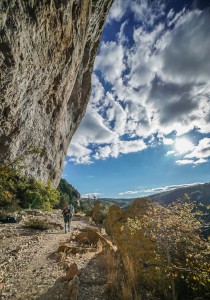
column 67, row 215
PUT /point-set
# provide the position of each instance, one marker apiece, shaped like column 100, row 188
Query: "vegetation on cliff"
column 18, row 191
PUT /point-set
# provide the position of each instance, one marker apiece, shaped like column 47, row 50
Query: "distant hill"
column 108, row 201
column 120, row 202
column 199, row 193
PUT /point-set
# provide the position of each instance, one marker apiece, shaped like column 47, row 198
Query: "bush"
column 39, row 195
column 18, row 190
column 37, row 223
column 100, row 211
column 181, row 256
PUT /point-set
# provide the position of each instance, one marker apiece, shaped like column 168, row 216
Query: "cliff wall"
column 47, row 50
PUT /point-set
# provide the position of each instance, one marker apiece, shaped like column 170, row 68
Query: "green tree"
column 68, row 193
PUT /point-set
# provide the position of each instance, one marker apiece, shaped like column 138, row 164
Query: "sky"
column 147, row 124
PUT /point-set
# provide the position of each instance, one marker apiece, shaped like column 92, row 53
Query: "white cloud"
column 103, row 152
column 120, row 147
column 110, row 61
column 186, row 49
column 155, row 79
column 201, row 151
column 170, row 187
column 173, row 18
column 79, row 154
column 129, row 193
column 192, row 154
column 93, row 130
column 159, row 189
column 164, row 140
column 148, row 11
column 131, row 146
column 171, row 152
column 191, row 161
column 145, row 11
column 153, row 87
column 185, row 162
column 116, row 115
column 170, row 14
column 168, row 141
column 118, row 9
column 183, row 145
column 200, row 161
column 98, row 92
column 91, row 195
column 177, row 101
column 199, row 154
column 121, row 35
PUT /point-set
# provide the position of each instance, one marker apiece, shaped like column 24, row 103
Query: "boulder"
column 92, row 237
column 88, row 236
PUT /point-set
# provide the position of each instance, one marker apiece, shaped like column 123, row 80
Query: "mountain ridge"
column 196, row 192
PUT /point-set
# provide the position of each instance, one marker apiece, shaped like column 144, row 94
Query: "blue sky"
column 147, row 125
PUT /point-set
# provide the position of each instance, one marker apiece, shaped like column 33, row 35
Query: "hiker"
column 67, row 215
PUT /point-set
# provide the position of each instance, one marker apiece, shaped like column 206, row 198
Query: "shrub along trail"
column 30, row 267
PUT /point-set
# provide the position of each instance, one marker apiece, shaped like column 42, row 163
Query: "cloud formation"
column 200, row 154
column 148, row 84
column 159, row 189
column 91, row 195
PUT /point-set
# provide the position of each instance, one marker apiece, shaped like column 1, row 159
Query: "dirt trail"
column 30, row 268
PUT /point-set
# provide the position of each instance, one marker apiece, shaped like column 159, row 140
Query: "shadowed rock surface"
column 47, row 50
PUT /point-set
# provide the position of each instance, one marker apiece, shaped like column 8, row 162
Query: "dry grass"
column 132, row 276
column 129, row 287
column 126, row 292
column 122, row 280
column 36, row 223
column 112, row 265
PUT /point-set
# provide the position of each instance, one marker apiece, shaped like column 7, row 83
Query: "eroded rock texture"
column 47, row 50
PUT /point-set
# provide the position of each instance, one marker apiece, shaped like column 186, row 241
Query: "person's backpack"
column 67, row 212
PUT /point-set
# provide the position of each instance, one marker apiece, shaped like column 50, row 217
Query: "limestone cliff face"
column 47, row 50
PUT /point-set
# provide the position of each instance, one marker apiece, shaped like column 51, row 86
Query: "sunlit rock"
column 47, row 50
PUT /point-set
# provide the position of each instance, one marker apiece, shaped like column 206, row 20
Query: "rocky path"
column 31, row 268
